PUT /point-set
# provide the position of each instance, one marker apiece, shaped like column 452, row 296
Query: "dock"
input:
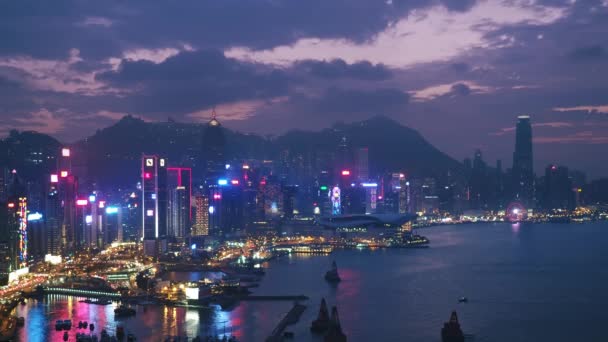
column 292, row 317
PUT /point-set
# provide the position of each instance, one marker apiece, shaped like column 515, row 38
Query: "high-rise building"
column 154, row 205
column 557, row 189
column 201, row 216
column 522, row 171
column 213, row 145
column 362, row 164
column 53, row 218
column 179, row 212
column 36, row 237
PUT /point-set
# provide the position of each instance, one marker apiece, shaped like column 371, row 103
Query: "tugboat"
column 332, row 275
column 321, row 324
column 451, row 331
column 335, row 333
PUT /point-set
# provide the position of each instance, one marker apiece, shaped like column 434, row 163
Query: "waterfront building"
column 522, row 171
column 557, row 189
column 154, row 204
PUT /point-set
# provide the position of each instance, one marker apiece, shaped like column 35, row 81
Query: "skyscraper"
column 213, row 145
column 522, row 172
column 201, row 218
column 154, row 205
column 362, row 164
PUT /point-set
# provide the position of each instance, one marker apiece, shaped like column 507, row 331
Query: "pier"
column 292, row 317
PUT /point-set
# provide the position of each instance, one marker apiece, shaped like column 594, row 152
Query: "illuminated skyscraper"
column 213, row 145
column 362, row 164
column 180, row 211
column 201, row 218
column 523, row 173
column 154, row 205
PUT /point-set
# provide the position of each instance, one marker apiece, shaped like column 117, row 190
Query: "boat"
column 463, row 300
column 123, row 311
column 321, row 324
column 451, row 331
column 332, row 275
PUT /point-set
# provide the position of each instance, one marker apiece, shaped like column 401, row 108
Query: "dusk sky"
column 459, row 71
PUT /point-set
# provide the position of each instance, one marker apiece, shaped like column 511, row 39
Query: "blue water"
column 524, row 283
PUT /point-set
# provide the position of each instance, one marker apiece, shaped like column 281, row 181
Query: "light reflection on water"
column 520, row 286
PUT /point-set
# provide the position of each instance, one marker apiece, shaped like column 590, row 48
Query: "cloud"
column 594, row 52
column 603, row 109
column 426, row 35
column 584, row 137
column 338, row 68
column 459, row 88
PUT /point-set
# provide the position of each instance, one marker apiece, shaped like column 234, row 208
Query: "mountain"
column 32, row 154
column 113, row 154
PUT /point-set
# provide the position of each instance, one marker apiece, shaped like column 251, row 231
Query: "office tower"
column 478, row 182
column 36, row 237
column 201, row 216
column 4, row 176
column 404, row 199
column 154, row 205
column 53, row 218
column 557, row 188
column 132, row 228
column 178, row 213
column 21, row 238
column 289, row 200
column 113, row 229
column 522, row 171
column 231, row 208
column 215, row 209
column 212, row 149
column 180, row 192
column 335, row 198
column 362, row 164
column 272, row 198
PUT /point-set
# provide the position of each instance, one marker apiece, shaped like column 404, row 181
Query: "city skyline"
column 476, row 70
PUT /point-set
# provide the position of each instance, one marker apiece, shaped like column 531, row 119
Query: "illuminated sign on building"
column 81, row 202
column 54, row 179
column 64, row 174
column 334, row 196
column 222, row 182
column 111, row 210
column 65, row 152
column 345, row 172
column 34, row 217
column 22, row 232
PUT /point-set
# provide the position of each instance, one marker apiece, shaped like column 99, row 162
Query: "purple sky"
column 459, row 71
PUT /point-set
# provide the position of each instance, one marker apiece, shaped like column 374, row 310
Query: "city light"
column 222, row 182
column 369, row 185
column 150, row 212
column 147, row 175
column 11, row 205
column 111, row 210
column 217, row 196
column 54, row 179
column 323, row 188
column 34, row 216
column 92, row 198
column 211, row 209
column 227, row 166
column 82, row 202
column 245, row 167
column 65, row 152
column 102, row 204
column 235, row 182
column 88, row 219
column 345, row 172
column 64, row 174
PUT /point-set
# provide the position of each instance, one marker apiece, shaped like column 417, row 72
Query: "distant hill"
column 113, row 154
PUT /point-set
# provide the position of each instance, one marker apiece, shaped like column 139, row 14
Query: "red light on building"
column 345, row 172
column 65, row 152
column 235, row 182
column 64, row 174
column 217, row 196
column 54, row 179
column 81, row 202
column 11, row 205
column 147, row 175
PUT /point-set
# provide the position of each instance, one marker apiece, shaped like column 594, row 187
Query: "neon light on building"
column 22, row 232
column 81, row 202
column 345, row 172
column 65, row 152
column 54, row 179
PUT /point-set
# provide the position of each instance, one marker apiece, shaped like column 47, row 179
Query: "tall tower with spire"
column 213, row 148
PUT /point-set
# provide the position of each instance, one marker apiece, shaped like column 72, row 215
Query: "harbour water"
column 543, row 282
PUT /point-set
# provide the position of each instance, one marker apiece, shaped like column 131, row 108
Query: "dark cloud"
column 338, row 68
column 192, row 81
column 356, row 102
column 586, row 53
column 460, row 89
